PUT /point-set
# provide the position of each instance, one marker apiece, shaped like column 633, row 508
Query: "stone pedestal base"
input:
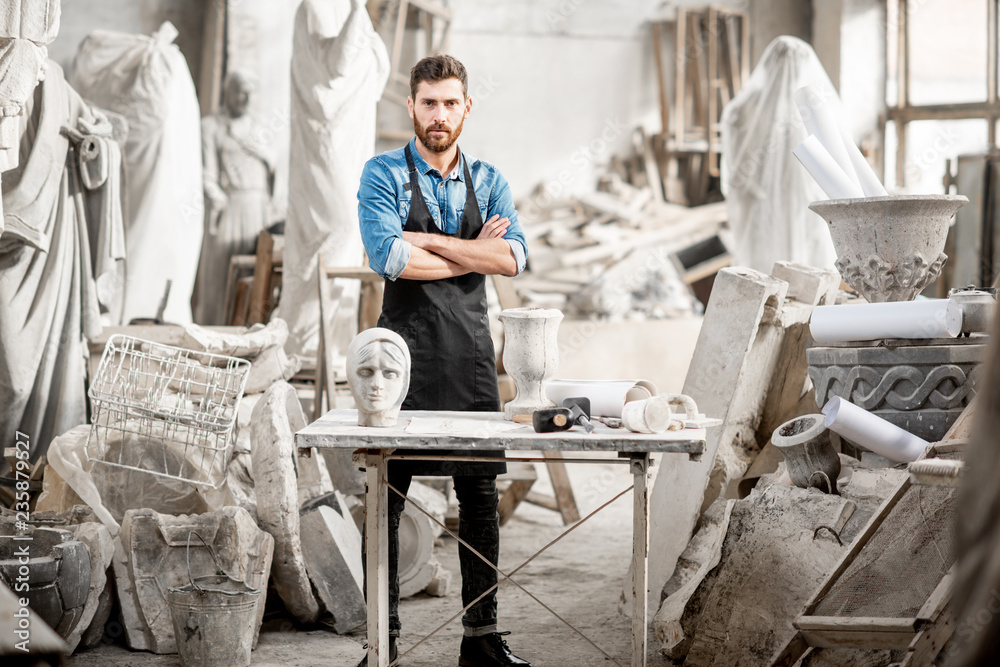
column 920, row 386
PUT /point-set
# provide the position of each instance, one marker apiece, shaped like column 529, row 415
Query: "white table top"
column 339, row 429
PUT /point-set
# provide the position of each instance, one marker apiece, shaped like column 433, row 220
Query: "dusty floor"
column 580, row 577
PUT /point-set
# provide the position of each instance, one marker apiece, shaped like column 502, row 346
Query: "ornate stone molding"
column 901, row 387
column 879, row 280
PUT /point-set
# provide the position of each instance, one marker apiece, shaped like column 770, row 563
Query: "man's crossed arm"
column 436, row 256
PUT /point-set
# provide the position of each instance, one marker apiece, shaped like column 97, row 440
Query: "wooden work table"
column 483, row 431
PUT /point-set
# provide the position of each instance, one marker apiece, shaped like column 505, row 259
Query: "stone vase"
column 530, row 356
column 809, row 456
column 890, row 248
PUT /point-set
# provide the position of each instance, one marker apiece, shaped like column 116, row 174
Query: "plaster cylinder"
column 927, row 318
column 530, row 356
column 607, row 397
column 651, row 415
column 823, row 125
column 810, row 458
column 870, row 184
column 871, row 432
column 825, row 170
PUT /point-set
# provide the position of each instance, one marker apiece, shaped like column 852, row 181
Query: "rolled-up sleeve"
column 502, row 204
column 381, row 231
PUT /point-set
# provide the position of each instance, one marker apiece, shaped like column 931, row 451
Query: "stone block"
column 808, row 284
column 728, row 374
column 151, row 557
column 273, row 452
column 331, row 547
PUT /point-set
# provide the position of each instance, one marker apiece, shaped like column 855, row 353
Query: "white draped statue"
column 767, row 191
column 339, row 69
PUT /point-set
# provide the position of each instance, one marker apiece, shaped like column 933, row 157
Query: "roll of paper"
column 607, row 397
column 925, row 318
column 821, row 124
column 872, row 432
column 870, row 185
column 825, row 170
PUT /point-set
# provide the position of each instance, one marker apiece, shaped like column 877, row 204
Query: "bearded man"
column 422, row 210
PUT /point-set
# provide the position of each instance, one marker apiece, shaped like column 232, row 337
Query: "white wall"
column 561, row 83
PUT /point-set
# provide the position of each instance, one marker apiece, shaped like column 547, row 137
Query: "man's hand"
column 494, row 228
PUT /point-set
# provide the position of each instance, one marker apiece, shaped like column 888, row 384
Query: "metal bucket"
column 214, row 618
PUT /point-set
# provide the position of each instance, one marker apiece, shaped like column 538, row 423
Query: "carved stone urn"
column 890, row 248
column 530, row 356
column 809, row 456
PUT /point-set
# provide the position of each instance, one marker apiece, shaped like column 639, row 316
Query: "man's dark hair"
column 438, row 68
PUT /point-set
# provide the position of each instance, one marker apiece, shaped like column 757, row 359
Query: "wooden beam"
column 260, row 291
column 857, row 639
column 856, row 623
column 212, row 57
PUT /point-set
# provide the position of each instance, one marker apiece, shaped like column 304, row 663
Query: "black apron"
column 446, row 326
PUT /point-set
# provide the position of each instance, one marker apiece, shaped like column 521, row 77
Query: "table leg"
column 640, row 549
column 377, row 555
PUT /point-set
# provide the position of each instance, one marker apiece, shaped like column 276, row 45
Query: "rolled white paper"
column 870, row 185
column 821, row 124
column 872, row 432
column 607, row 397
column 825, row 170
column 926, row 318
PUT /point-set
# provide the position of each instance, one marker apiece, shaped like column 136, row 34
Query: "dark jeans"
column 478, row 525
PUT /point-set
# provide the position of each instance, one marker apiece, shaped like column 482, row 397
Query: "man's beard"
column 435, row 143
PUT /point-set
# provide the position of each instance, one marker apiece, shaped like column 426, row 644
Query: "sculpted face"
column 378, row 372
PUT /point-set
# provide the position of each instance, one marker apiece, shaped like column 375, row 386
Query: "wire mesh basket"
column 165, row 410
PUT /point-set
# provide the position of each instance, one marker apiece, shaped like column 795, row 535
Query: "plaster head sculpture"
column 378, row 372
column 240, row 89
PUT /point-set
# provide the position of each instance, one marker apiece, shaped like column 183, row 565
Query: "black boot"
column 488, row 651
column 393, row 652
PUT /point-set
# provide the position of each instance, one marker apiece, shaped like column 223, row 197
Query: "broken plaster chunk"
column 331, row 548
column 273, row 453
column 152, row 556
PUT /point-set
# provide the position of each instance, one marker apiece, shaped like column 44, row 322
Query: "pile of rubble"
column 618, row 253
column 128, row 528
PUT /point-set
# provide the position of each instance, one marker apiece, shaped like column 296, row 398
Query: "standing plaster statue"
column 339, row 69
column 239, row 183
column 378, row 372
column 62, row 231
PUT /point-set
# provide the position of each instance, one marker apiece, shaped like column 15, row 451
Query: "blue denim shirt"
column 384, row 204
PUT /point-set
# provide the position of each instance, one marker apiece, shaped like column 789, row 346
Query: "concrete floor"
column 581, row 577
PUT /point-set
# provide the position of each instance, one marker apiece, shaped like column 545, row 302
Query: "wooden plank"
column 856, row 623
column 560, row 484
column 680, row 39
column 212, row 57
column 791, row 652
column 548, row 502
column 377, row 557
column 237, row 264
column 930, row 641
column 512, row 497
column 506, row 292
column 857, row 639
column 962, row 428
column 640, row 560
column 241, row 309
column 260, row 291
column 656, row 27
column 939, row 598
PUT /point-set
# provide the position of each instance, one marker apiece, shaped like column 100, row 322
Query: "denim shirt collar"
column 458, row 173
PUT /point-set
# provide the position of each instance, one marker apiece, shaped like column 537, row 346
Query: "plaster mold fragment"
column 273, row 450
column 153, row 558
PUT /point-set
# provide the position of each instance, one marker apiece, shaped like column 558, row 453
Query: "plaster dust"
column 580, row 577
